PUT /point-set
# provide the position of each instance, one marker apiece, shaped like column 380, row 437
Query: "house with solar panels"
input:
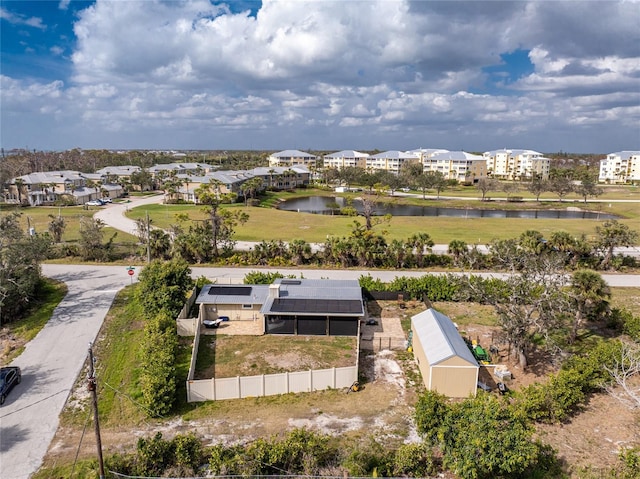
column 320, row 307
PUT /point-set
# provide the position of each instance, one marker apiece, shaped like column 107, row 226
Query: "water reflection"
column 327, row 205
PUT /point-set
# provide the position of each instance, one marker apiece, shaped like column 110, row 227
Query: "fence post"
column 310, row 380
column 239, row 387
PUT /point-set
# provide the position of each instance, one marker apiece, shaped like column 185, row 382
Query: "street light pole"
column 91, row 385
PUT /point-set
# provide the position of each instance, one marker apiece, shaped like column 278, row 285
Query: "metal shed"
column 445, row 361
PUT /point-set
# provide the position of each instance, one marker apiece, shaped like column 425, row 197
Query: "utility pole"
column 91, row 385
column 148, row 238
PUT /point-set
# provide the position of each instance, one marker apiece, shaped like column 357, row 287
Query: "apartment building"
column 391, row 160
column 457, row 165
column 516, row 164
column 346, row 158
column 293, row 157
column 620, row 167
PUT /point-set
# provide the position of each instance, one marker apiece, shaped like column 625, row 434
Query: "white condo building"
column 391, row 160
column 346, row 158
column 620, row 167
column 516, row 164
column 293, row 157
column 457, row 165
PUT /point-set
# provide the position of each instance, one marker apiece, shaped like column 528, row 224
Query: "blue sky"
column 323, row 74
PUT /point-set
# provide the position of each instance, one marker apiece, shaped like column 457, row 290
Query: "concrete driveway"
column 51, row 363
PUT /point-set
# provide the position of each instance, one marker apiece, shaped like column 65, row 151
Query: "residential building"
column 118, row 174
column 457, row 165
column 391, row 160
column 45, row 188
column 314, row 307
column 346, row 158
column 292, row 158
column 620, row 167
column 516, row 164
column 283, row 178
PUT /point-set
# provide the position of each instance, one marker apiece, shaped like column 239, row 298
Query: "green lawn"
column 266, row 223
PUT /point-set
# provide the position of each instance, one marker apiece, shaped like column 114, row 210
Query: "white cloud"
column 345, row 75
column 16, row 19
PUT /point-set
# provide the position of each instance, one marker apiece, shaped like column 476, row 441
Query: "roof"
column 124, row 170
column 293, row 154
column 233, row 294
column 456, row 155
column 278, row 170
column 316, row 296
column 395, row 154
column 347, row 154
column 295, row 296
column 440, row 338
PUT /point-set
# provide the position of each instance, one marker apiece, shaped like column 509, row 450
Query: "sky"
column 322, row 75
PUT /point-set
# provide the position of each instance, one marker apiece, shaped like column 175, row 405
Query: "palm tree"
column 590, row 294
column 19, row 182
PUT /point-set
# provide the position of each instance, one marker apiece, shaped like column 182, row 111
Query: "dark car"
column 9, row 377
column 372, row 322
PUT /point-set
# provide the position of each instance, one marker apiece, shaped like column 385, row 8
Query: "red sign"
column 130, row 272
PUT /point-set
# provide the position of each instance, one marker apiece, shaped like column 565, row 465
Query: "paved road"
column 51, row 363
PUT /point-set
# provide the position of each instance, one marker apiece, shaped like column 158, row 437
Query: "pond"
column 327, row 205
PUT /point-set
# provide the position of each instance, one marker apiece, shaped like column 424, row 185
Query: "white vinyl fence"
column 269, row 384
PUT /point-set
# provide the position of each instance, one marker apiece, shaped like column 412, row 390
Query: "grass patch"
column 267, row 223
column 84, row 468
column 271, row 354
column 627, row 298
column 465, row 314
column 20, row 332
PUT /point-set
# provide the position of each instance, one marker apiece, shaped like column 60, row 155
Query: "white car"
column 106, row 200
column 94, row 203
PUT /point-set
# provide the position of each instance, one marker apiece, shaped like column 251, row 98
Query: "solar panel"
column 297, row 305
column 230, row 290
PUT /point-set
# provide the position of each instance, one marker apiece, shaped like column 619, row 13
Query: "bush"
column 163, row 286
column 158, row 358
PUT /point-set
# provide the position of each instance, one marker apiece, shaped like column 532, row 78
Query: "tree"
column 485, row 185
column 142, row 179
column 611, row 235
column 588, row 186
column 531, row 303
column 57, row 226
column 221, row 222
column 91, row 235
column 417, row 244
column 624, row 373
column 350, row 175
column 570, row 247
column 590, row 294
column 561, row 183
column 438, row 182
column 20, row 273
column 510, row 187
column 537, row 186
column 457, row 248
column 485, row 437
column 163, row 286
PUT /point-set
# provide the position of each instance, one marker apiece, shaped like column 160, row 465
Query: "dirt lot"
column 383, row 409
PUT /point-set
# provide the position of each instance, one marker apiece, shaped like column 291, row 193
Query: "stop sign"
column 130, row 272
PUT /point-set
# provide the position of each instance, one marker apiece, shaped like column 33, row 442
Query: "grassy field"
column 38, row 217
column 266, row 223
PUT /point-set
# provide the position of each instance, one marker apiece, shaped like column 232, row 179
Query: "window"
column 247, row 306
